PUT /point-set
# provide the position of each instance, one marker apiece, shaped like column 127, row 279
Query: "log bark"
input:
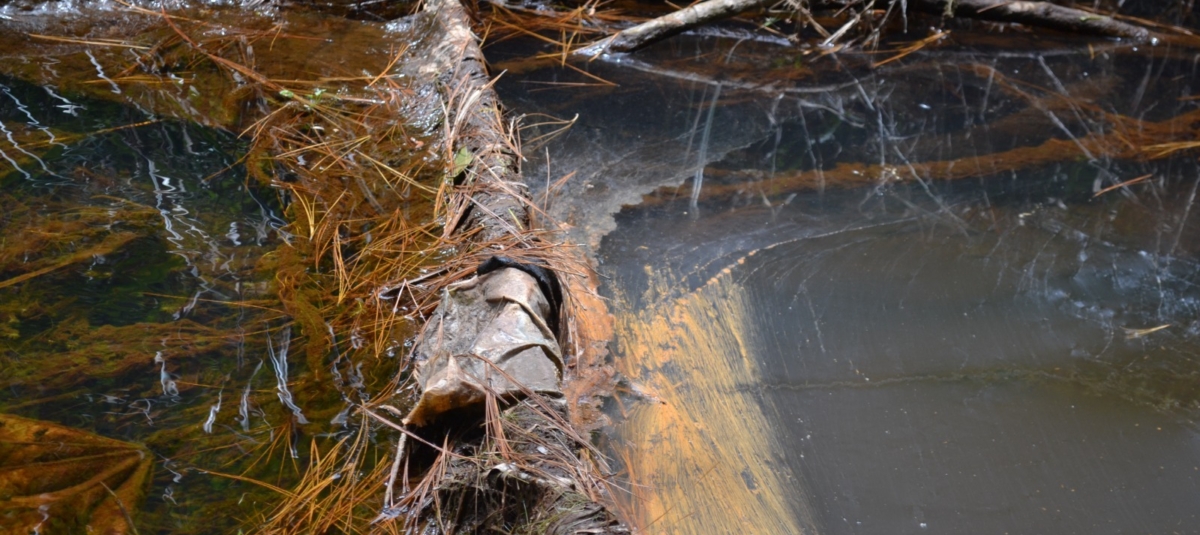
column 476, row 128
column 480, row 494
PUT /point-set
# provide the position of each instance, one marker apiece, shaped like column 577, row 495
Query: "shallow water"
column 148, row 275
column 137, row 341
column 827, row 337
column 835, row 339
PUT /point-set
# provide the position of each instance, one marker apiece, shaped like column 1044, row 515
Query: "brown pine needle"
column 90, row 42
column 913, row 48
column 1166, row 149
column 250, row 480
column 395, row 58
column 1131, row 334
column 1123, row 184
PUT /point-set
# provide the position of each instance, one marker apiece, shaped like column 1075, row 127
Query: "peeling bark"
column 551, row 479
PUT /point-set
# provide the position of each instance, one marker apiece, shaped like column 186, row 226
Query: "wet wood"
column 475, row 129
column 667, row 25
column 492, row 208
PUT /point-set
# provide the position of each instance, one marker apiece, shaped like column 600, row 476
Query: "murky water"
column 838, row 340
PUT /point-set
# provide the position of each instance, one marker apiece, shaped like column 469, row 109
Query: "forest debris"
column 495, row 202
column 1043, row 14
column 1032, row 13
column 489, row 337
column 494, row 338
column 674, row 23
column 533, row 480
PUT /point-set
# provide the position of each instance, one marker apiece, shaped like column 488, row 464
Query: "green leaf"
column 462, row 159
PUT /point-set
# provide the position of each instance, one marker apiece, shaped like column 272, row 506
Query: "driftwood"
column 1034, row 13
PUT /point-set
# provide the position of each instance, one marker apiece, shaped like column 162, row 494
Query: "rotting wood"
column 564, row 489
column 1031, row 13
column 475, row 126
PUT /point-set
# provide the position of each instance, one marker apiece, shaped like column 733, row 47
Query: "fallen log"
column 493, row 346
column 475, row 129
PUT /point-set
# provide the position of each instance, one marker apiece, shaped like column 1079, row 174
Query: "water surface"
column 834, row 338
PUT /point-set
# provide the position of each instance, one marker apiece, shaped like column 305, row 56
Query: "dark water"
column 140, row 342
column 987, row 379
column 1002, row 353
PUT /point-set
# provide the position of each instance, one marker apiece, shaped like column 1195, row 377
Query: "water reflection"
column 160, row 264
column 844, row 341
column 118, row 275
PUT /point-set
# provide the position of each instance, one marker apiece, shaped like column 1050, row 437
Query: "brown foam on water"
column 704, row 460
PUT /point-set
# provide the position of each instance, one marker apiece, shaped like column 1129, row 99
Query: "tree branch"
column 665, row 26
column 1043, row 14
column 1031, row 13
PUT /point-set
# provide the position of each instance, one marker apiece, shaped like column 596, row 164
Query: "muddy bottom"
column 998, row 359
column 989, row 456
column 836, row 338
